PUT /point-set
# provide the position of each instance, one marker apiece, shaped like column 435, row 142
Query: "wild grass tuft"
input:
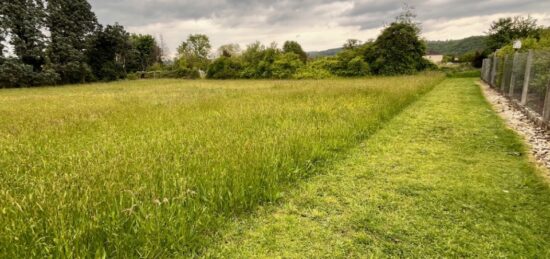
column 152, row 168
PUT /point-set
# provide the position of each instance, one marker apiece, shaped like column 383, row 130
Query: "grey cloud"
column 367, row 14
column 140, row 12
column 246, row 19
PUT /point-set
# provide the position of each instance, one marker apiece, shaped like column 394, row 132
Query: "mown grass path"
column 445, row 178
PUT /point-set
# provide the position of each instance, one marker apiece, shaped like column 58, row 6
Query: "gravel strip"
column 537, row 138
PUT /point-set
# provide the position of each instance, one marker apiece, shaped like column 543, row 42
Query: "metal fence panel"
column 494, row 71
column 524, row 77
column 506, row 74
column 539, row 79
column 518, row 76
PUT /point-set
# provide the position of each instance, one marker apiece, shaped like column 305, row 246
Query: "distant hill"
column 457, row 47
column 324, row 53
column 447, row 47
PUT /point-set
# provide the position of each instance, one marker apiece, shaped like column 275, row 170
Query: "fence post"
column 527, row 78
column 546, row 109
column 484, row 64
column 513, row 76
column 483, row 69
column 494, row 71
column 486, row 70
column 503, row 79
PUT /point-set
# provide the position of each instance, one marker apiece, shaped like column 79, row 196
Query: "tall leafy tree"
column 70, row 22
column 399, row 48
column 144, row 53
column 3, row 29
column 229, row 50
column 195, row 50
column 24, row 21
column 258, row 60
column 108, row 51
column 505, row 30
column 352, row 44
column 296, row 48
column 2, row 39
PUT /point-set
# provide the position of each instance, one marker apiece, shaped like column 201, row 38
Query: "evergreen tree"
column 70, row 22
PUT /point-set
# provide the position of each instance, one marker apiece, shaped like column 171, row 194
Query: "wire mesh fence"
column 524, row 77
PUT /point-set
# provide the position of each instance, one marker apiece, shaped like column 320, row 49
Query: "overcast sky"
column 316, row 24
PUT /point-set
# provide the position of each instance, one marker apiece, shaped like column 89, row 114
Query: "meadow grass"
column 443, row 179
column 154, row 168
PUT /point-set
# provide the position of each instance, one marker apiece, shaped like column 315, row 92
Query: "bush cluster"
column 399, row 50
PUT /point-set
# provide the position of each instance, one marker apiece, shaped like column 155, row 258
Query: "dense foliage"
column 294, row 47
column 501, row 35
column 541, row 42
column 540, row 46
column 24, row 22
column 398, row 50
column 108, row 52
column 60, row 42
column 505, row 30
column 69, row 37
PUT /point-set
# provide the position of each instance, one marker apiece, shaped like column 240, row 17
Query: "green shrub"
column 357, row 67
column 132, row 76
column 308, row 72
column 14, row 73
column 286, row 65
column 48, row 76
column 224, row 68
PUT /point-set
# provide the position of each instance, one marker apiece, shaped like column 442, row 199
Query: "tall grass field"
column 155, row 168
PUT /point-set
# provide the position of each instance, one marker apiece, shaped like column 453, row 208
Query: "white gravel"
column 537, row 138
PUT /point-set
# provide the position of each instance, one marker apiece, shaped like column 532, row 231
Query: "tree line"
column 500, row 37
column 398, row 50
column 55, row 42
column 61, row 42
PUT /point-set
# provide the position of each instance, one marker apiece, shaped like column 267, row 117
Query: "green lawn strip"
column 445, row 178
